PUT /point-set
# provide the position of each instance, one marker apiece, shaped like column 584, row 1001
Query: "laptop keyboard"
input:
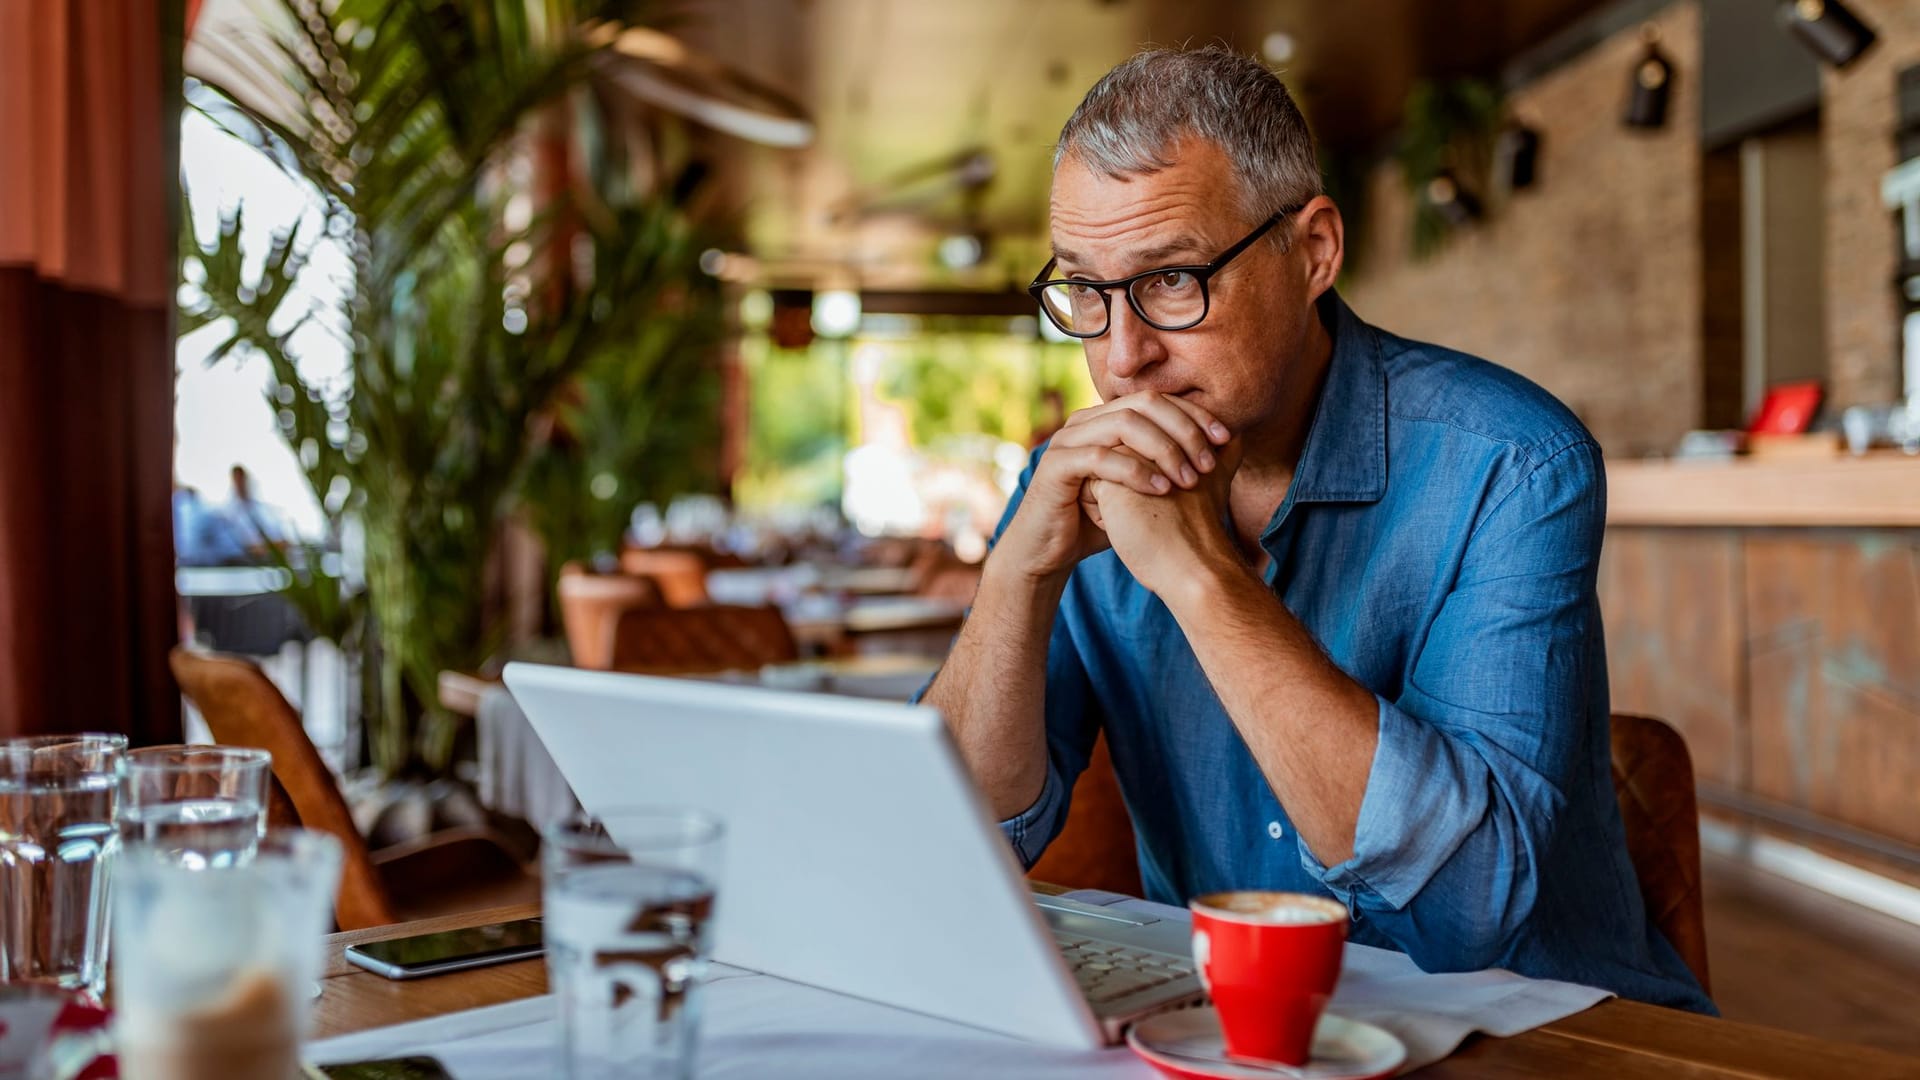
column 1108, row 972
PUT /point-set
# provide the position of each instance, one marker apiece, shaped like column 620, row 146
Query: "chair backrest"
column 1653, row 776
column 681, row 575
column 713, row 637
column 590, row 604
column 1095, row 848
column 242, row 707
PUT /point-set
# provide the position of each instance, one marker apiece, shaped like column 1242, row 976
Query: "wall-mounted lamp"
column 1652, row 85
column 1516, row 157
column 1451, row 201
column 1827, row 29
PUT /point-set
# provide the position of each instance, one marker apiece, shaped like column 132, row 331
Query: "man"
column 1329, row 592
column 189, row 527
column 247, row 530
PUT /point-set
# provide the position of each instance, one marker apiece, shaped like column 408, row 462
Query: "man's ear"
column 1321, row 239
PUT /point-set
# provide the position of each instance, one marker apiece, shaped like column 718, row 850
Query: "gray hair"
column 1136, row 115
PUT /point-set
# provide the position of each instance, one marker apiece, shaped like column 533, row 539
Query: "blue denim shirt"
column 1440, row 539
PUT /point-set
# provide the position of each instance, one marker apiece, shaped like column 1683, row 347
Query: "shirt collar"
column 1345, row 458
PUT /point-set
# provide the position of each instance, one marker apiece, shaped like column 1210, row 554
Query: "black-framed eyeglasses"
column 1165, row 298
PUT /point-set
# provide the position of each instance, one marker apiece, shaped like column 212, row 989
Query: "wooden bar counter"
column 1880, row 490
column 1770, row 610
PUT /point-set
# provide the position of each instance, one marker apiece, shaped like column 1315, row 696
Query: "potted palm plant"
column 466, row 314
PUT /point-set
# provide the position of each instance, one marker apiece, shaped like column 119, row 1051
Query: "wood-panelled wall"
column 1789, row 658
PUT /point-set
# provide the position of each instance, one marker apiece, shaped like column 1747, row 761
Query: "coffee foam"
column 1279, row 908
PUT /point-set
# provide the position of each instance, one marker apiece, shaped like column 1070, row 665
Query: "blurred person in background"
column 244, row 529
column 190, row 532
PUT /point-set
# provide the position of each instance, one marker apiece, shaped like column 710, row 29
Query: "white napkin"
column 1430, row 1014
column 758, row 1025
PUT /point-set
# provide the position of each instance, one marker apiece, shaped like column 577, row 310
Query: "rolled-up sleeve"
column 1036, row 826
column 1477, row 752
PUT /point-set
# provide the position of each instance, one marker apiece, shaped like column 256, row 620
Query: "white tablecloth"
column 517, row 775
column 760, row 1026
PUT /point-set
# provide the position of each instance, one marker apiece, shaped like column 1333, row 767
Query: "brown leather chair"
column 452, row 870
column 591, row 603
column 1653, row 776
column 681, row 575
column 712, row 637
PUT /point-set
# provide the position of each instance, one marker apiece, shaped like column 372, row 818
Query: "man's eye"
column 1172, row 281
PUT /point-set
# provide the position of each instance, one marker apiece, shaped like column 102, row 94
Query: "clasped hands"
column 1148, row 475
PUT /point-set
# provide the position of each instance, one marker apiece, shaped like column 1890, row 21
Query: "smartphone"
column 449, row 950
column 406, row 1068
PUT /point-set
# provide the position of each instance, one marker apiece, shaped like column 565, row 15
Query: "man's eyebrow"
column 1146, row 258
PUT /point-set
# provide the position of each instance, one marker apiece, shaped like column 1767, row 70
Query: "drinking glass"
column 56, row 847
column 203, row 805
column 629, row 900
column 214, row 961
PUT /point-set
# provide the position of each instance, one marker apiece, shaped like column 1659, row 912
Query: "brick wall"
column 1857, row 120
column 1589, row 282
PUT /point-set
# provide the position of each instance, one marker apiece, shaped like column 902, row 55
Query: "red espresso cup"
column 1270, row 960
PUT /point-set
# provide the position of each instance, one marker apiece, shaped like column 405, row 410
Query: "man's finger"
column 1081, row 463
column 1155, row 430
column 1215, row 430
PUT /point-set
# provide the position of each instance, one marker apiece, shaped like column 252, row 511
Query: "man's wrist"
column 1209, row 576
column 1003, row 577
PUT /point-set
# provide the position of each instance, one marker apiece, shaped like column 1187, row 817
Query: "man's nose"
column 1132, row 345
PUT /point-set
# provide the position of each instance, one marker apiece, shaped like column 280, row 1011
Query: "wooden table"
column 878, row 624
column 1613, row 1039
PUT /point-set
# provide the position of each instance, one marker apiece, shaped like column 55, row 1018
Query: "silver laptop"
column 859, row 857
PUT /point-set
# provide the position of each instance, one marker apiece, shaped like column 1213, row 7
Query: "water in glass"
column 56, row 845
column 629, row 919
column 626, row 947
column 200, row 806
column 197, row 833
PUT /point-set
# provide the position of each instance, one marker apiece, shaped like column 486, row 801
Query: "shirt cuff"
column 1425, row 795
column 1032, row 829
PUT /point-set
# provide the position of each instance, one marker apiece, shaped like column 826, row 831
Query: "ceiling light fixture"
column 1277, row 47
column 963, row 250
column 836, row 313
column 663, row 71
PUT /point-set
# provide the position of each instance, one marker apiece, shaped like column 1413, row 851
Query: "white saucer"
column 1187, row 1044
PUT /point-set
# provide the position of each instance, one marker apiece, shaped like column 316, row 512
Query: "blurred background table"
column 517, row 776
column 877, row 625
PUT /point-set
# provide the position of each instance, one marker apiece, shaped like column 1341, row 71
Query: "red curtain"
column 89, row 196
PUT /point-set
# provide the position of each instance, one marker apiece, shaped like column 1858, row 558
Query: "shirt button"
column 1274, row 830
